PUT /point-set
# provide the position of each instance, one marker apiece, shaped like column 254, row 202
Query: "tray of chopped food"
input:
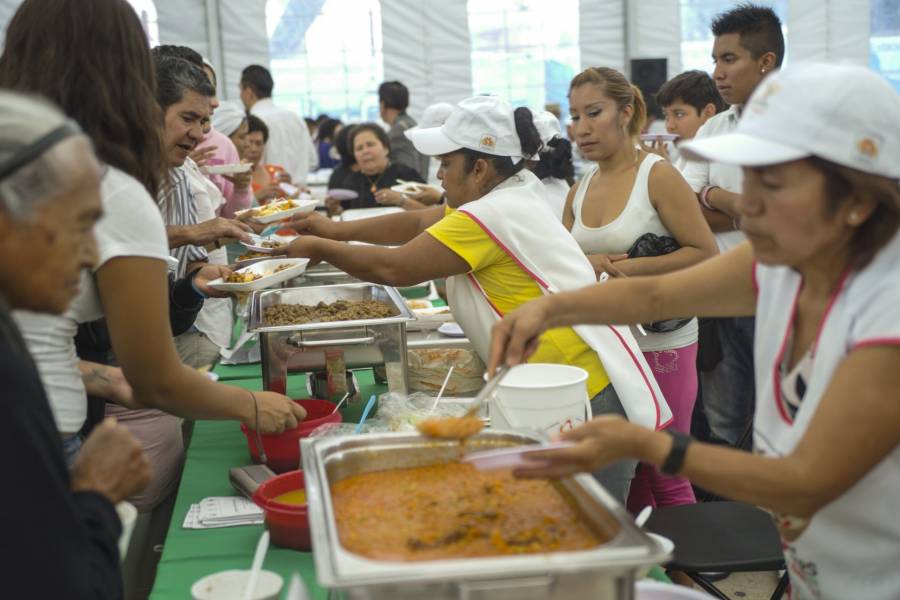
column 261, row 275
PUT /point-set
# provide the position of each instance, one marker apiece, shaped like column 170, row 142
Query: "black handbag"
column 651, row 244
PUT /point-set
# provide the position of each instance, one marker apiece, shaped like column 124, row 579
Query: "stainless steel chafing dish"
column 606, row 572
column 322, row 274
column 362, row 343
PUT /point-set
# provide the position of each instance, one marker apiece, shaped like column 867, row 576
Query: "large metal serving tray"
column 606, row 572
column 362, row 343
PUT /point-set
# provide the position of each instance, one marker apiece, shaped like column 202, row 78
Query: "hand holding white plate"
column 509, row 458
column 267, row 272
column 265, row 245
column 409, row 187
column 279, row 210
column 659, row 137
column 231, row 169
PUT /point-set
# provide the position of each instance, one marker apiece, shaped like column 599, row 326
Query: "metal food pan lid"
column 261, row 300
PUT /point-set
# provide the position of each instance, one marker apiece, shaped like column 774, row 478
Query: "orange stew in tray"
column 454, row 511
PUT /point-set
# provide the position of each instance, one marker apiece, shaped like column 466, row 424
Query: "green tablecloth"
column 216, row 447
column 190, row 554
column 231, row 372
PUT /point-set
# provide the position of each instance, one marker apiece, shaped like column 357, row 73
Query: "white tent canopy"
column 330, row 55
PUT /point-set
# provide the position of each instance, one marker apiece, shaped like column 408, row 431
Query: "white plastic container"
column 654, row 590
column 128, row 515
column 229, row 585
column 546, row 397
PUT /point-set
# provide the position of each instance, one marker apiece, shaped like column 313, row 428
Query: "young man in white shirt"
column 290, row 145
column 748, row 45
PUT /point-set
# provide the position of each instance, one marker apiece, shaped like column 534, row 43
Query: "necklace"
column 373, row 183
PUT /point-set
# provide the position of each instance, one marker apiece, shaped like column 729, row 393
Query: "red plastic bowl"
column 283, row 449
column 288, row 524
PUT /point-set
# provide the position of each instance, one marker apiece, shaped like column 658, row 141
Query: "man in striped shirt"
column 184, row 92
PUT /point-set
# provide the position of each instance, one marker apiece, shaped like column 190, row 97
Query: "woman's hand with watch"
column 603, row 441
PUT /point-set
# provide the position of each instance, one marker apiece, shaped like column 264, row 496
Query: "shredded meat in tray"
column 341, row 310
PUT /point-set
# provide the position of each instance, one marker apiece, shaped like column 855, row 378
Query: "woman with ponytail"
column 500, row 246
column 553, row 165
column 633, row 214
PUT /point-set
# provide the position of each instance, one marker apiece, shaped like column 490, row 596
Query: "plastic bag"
column 403, row 413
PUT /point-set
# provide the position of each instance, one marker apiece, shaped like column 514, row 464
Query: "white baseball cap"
column 482, row 123
column 436, row 114
column 845, row 114
column 547, row 125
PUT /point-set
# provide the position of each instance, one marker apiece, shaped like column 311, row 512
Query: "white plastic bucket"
column 548, row 397
column 654, row 590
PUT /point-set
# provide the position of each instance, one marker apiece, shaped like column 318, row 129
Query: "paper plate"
column 451, row 330
column 341, row 194
column 228, row 169
column 267, row 268
column 299, row 206
column 409, row 188
column 662, row 137
column 256, row 245
column 508, row 458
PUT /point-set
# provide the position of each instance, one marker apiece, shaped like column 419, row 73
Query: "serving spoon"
column 460, row 428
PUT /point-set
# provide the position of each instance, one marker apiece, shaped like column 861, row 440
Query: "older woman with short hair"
column 49, row 202
column 370, row 147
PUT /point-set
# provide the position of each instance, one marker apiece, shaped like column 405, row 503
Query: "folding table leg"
column 781, row 587
column 707, row 586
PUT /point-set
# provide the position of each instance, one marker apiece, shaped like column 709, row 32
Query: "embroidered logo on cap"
column 488, row 141
column 868, row 147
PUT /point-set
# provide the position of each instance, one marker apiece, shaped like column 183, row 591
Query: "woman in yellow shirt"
column 500, row 246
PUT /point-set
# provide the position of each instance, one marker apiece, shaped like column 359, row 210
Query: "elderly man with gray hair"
column 57, row 520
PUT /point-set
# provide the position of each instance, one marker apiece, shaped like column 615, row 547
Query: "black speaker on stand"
column 649, row 74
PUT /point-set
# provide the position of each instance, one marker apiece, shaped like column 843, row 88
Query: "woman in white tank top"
column 627, row 194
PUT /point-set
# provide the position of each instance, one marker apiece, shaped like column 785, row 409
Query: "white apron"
column 516, row 217
column 851, row 547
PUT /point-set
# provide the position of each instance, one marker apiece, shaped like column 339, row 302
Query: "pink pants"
column 676, row 373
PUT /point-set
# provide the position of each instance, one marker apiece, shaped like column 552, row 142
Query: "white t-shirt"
column 555, row 192
column 700, row 174
column 616, row 237
column 851, row 547
column 290, row 145
column 131, row 226
column 214, row 319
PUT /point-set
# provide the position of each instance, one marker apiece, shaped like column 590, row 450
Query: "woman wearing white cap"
column 500, row 246
column 553, row 165
column 821, row 208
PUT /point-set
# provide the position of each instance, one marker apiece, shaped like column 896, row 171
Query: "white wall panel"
column 601, row 31
column 654, row 31
column 829, row 30
column 426, row 46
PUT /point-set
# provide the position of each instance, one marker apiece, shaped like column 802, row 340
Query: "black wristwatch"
column 675, row 460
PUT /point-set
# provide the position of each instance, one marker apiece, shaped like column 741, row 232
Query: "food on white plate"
column 242, row 277
column 418, row 304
